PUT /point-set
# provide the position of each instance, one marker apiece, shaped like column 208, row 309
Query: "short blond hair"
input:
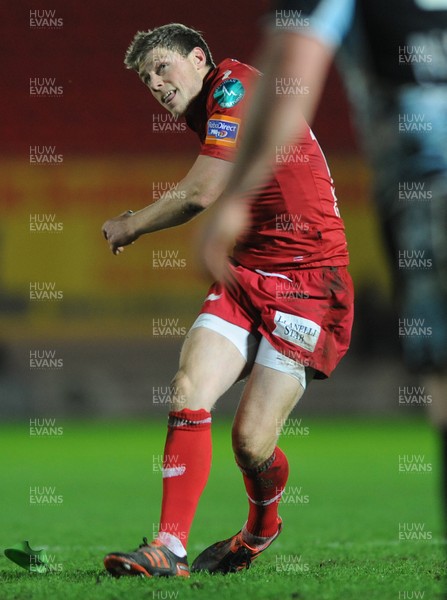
column 174, row 36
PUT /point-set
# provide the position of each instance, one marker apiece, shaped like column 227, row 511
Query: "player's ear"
column 198, row 57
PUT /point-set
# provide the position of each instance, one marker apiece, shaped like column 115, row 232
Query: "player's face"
column 174, row 80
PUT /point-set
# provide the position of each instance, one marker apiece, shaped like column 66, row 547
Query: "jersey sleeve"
column 225, row 107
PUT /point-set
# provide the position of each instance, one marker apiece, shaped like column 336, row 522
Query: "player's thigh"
column 209, row 365
column 268, row 398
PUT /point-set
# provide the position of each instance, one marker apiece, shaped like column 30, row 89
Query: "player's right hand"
column 120, row 231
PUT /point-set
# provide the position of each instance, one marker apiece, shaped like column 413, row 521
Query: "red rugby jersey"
column 295, row 220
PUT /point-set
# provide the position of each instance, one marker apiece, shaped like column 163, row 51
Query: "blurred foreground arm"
column 273, row 120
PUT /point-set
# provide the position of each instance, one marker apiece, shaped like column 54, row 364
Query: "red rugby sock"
column 186, row 466
column 265, row 485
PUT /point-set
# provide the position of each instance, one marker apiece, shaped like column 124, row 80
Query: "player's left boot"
column 149, row 560
column 230, row 555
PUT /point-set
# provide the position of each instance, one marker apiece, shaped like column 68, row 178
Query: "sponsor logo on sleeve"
column 229, row 93
column 296, row 330
column 222, row 130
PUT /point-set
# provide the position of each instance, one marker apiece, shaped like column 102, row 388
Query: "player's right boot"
column 149, row 560
column 231, row 555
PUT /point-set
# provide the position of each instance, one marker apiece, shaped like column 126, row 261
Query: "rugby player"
column 283, row 318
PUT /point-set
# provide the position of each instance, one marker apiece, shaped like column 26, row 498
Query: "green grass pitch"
column 345, row 502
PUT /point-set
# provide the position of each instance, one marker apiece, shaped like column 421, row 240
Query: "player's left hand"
column 229, row 218
column 120, row 231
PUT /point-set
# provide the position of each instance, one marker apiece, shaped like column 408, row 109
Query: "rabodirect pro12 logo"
column 222, row 130
column 229, row 93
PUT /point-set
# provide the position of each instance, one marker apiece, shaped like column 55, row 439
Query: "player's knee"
column 185, row 393
column 252, row 449
column 181, row 391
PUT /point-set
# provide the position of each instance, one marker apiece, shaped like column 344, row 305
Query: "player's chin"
column 176, row 112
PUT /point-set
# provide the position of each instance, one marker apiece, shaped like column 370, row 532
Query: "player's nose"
column 156, row 83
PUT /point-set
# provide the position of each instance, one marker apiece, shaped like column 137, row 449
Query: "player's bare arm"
column 195, row 192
